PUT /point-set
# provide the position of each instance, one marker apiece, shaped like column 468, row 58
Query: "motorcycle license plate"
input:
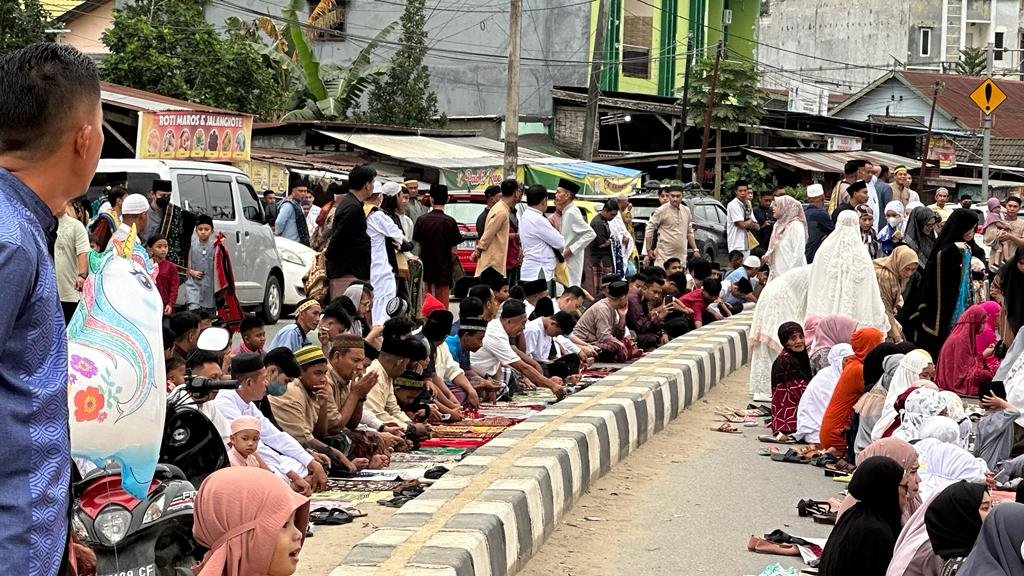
column 147, row 570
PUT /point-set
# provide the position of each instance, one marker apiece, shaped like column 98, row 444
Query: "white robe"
column 818, row 394
column 782, row 300
column 843, row 277
column 578, row 235
column 790, row 252
column 381, row 228
column 908, row 372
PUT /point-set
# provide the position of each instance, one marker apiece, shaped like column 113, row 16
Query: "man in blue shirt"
column 291, row 220
column 819, row 225
column 51, row 137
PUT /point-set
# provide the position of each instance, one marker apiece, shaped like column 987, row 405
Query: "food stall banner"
column 476, row 179
column 190, row 135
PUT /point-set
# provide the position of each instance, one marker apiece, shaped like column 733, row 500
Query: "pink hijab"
column 831, row 330
column 786, row 210
column 959, row 352
column 810, row 328
column 989, row 334
column 904, row 454
column 994, row 215
column 239, row 512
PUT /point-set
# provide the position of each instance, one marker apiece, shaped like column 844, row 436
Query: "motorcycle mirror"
column 213, row 339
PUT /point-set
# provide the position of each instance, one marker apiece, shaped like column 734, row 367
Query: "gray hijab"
column 889, row 366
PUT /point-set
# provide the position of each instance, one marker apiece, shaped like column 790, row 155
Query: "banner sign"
column 943, row 150
column 189, row 135
column 476, row 179
column 265, row 175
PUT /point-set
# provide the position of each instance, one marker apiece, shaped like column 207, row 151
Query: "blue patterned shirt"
column 35, row 457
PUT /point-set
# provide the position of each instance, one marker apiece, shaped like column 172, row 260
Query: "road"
column 687, row 502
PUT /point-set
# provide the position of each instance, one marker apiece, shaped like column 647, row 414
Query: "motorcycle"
column 153, row 536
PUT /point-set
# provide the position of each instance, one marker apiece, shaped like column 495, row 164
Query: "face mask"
column 893, row 221
column 276, row 388
column 163, row 202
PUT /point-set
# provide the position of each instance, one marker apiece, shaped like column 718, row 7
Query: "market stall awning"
column 594, row 178
column 819, row 161
column 422, row 150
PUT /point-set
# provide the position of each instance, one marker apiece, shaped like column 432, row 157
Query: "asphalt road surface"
column 686, row 503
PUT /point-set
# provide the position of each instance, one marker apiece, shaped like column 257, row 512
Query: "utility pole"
column 986, row 131
column 515, row 28
column 928, row 135
column 707, row 113
column 683, row 107
column 594, row 91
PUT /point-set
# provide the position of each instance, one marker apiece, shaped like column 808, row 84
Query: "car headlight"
column 290, row 256
column 154, row 512
column 112, row 524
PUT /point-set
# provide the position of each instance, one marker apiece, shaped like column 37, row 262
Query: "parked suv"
column 708, row 216
column 225, row 194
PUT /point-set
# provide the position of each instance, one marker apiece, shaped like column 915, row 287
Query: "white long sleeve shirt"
column 539, row 240
column 282, row 453
column 381, row 228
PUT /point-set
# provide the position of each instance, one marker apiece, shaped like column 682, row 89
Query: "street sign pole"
column 986, row 135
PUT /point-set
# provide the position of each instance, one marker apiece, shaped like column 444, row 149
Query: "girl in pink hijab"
column 989, row 334
column 252, row 523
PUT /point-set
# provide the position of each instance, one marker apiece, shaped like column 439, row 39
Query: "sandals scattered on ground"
column 727, row 428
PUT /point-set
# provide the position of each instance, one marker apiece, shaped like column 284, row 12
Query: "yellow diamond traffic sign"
column 988, row 96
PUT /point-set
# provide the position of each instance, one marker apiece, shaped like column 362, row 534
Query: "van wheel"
column 272, row 299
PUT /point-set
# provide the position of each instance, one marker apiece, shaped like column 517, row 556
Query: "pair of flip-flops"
column 839, row 468
column 779, row 438
column 808, row 508
column 792, row 456
column 396, row 502
column 333, row 516
column 727, row 428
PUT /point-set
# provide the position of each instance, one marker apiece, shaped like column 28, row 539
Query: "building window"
column 1000, row 44
column 637, row 37
column 926, row 42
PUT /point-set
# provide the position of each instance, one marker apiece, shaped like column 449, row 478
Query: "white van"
column 226, row 195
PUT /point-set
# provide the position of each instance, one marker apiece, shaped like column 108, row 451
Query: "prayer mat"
column 350, row 485
column 493, row 421
column 454, row 442
column 352, row 497
column 441, row 450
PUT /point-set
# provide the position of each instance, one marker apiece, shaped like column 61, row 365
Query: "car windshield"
column 464, row 213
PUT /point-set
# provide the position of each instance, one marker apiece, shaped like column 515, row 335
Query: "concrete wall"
column 86, row 30
column 860, row 32
column 899, row 100
column 467, row 84
column 925, row 15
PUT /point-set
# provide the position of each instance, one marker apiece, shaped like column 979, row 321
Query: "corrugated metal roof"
column 139, row 100
column 817, row 161
column 582, row 169
column 420, row 149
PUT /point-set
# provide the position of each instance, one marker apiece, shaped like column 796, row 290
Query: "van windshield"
column 138, row 182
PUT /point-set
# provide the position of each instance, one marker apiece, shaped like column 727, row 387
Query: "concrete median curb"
column 494, row 510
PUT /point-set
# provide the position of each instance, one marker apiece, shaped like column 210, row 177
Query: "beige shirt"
column 1003, row 251
column 296, row 412
column 944, row 212
column 381, row 401
column 494, row 242
column 673, row 227
column 599, row 323
column 72, row 240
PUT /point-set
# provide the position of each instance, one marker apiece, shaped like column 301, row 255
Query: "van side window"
column 192, row 193
column 222, row 205
column 252, row 210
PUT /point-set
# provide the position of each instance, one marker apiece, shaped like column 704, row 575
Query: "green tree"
column 168, row 47
column 738, row 95
column 403, row 97
column 21, row 23
column 753, row 170
column 973, row 62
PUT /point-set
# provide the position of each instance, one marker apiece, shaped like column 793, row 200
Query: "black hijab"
column 864, row 537
column 873, row 369
column 959, row 222
column 915, row 237
column 786, row 330
column 1011, row 282
column 952, row 519
column 997, row 551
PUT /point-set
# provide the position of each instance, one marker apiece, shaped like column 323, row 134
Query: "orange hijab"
column 848, row 390
column 239, row 512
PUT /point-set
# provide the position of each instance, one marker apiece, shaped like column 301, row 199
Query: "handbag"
column 562, row 273
column 752, row 241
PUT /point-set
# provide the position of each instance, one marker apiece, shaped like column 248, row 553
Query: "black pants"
column 69, row 310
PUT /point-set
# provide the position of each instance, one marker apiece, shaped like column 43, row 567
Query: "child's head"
column 176, row 370
column 253, row 333
column 205, row 319
column 204, row 227
column 157, row 245
column 867, row 219
column 735, row 259
column 712, row 287
column 245, row 435
column 94, row 243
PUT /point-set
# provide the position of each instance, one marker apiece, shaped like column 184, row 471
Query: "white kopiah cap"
column 815, row 191
column 134, row 204
column 752, row 262
column 391, row 188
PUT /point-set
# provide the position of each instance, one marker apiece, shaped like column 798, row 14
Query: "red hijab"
column 959, row 354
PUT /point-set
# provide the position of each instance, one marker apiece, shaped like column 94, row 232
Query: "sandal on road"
column 829, row 518
column 839, row 468
column 806, row 508
column 727, row 428
column 791, row 456
column 777, row 439
column 762, row 546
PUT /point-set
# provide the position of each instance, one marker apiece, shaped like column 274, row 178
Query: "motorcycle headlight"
column 112, row 524
column 289, row 256
column 154, row 512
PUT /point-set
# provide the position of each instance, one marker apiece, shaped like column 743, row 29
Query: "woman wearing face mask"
column 251, row 522
column 892, row 273
column 892, row 233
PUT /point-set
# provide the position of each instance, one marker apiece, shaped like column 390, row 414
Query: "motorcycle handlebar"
column 201, row 385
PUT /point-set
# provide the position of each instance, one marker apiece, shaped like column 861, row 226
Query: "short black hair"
column 966, row 197
column 360, row 176
column 509, row 186
column 659, row 280
column 342, row 303
column 679, row 279
column 284, row 359
column 611, row 205
column 852, row 166
column 699, row 268
column 882, row 170
column 471, row 307
column 574, row 291
column 492, row 191
column 481, row 292
column 1013, row 199
column 173, row 363
column 45, row 87
column 712, row 286
column 536, row 194
column 716, row 266
column 740, row 183
column 517, row 292
column 202, row 314
column 249, row 323
column 654, row 272
column 269, row 193
column 117, row 192
column 200, row 357
column 566, row 322
column 670, row 261
column 154, row 239
column 182, row 322
column 639, row 277
column 339, row 315
column 735, row 255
